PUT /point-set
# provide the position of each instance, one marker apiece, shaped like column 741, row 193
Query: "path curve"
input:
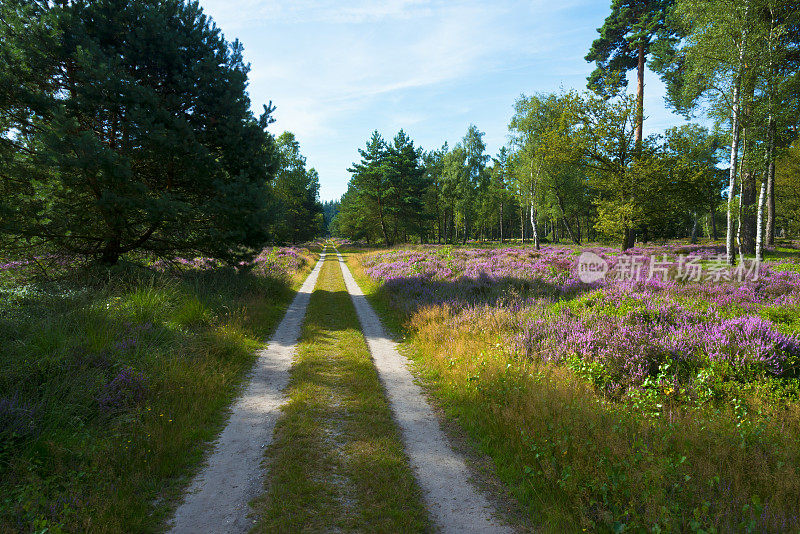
column 454, row 503
column 218, row 498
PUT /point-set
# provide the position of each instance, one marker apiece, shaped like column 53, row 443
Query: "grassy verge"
column 111, row 383
column 575, row 460
column 337, row 462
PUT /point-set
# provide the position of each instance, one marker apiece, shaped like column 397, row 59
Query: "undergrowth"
column 111, row 383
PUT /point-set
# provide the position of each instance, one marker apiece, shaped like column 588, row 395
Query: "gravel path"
column 217, row 501
column 454, row 503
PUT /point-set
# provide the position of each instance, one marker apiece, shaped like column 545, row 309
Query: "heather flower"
column 17, row 418
column 631, row 327
column 127, row 389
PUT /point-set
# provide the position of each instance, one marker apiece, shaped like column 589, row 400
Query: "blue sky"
column 339, row 70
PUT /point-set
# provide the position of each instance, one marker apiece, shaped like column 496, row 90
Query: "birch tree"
column 711, row 64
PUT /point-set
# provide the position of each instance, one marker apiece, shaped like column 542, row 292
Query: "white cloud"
column 338, row 70
column 317, row 59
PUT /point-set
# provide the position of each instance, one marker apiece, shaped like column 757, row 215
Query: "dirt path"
column 454, row 503
column 337, row 462
column 217, row 500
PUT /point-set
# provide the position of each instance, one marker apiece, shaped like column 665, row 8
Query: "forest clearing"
column 294, row 287
column 595, row 403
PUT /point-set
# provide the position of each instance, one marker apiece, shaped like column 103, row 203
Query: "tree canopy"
column 126, row 125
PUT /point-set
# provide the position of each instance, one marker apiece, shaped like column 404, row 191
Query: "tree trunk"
column 745, row 232
column 575, row 240
column 769, row 170
column 693, row 239
column 589, row 229
column 737, row 82
column 112, row 251
column 533, row 227
column 747, row 244
column 383, row 224
column 734, row 163
column 713, row 214
column 501, row 222
column 572, row 235
column 741, row 194
column 770, row 178
column 522, row 223
column 639, row 99
column 770, row 182
column 628, row 239
column 770, row 229
column 760, row 221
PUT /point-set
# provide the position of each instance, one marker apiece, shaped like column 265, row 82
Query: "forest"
column 594, row 329
column 143, row 143
column 577, row 166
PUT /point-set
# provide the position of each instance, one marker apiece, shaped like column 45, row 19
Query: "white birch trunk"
column 730, row 253
column 533, row 226
column 534, row 181
column 760, row 220
column 740, row 213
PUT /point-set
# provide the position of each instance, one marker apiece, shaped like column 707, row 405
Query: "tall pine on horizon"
column 626, row 36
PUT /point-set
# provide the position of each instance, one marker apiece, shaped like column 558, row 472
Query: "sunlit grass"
column 576, row 459
column 337, row 463
column 112, row 383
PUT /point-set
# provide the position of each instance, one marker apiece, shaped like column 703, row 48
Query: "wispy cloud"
column 337, row 70
column 344, row 57
column 249, row 12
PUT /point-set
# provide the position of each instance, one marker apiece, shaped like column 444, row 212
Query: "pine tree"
column 625, row 40
column 408, row 183
column 296, row 191
column 144, row 137
column 499, row 187
column 371, row 192
column 473, row 181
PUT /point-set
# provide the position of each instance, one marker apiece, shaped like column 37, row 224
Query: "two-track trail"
column 350, row 441
column 455, row 503
column 337, row 463
column 218, row 498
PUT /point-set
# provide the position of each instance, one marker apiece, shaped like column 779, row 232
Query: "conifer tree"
column 133, row 131
column 624, row 44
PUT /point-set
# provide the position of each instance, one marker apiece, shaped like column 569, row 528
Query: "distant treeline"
column 578, row 166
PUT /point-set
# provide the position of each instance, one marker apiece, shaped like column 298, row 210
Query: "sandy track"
column 454, row 503
column 217, row 500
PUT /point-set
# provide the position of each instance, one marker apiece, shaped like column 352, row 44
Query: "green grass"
column 111, row 384
column 577, row 461
column 337, row 463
